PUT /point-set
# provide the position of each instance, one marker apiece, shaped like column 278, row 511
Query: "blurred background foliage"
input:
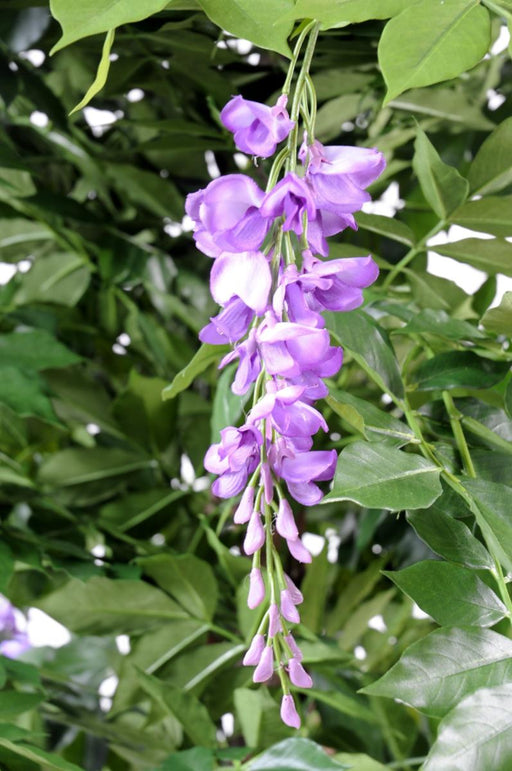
column 107, row 522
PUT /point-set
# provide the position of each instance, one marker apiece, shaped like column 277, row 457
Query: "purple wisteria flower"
column 13, row 639
column 230, row 325
column 291, row 198
column 227, row 215
column 233, row 459
column 257, row 129
column 272, row 307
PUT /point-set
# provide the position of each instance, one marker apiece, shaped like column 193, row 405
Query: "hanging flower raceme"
column 273, row 287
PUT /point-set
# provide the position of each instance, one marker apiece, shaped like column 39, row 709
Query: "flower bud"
column 253, row 655
column 298, row 550
column 298, row 674
column 255, row 536
column 244, row 510
column 288, row 609
column 285, row 522
column 256, row 589
column 265, row 668
column 274, row 620
column 295, row 593
column 297, row 653
column 289, row 714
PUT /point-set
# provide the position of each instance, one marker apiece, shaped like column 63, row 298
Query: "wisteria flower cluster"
column 272, row 285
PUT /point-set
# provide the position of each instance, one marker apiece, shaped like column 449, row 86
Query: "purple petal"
column 289, row 714
column 255, row 536
column 288, row 609
column 295, row 593
column 297, row 653
column 265, row 668
column 299, row 551
column 274, row 620
column 245, row 275
column 256, row 589
column 298, row 674
column 244, row 509
column 285, row 522
column 253, row 655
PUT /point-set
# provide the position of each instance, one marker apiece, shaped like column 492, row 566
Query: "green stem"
column 411, row 254
column 455, row 417
column 498, row 9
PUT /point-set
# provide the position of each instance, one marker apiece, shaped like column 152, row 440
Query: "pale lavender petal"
column 289, row 714
column 297, row 653
column 317, row 464
column 253, row 655
column 227, row 199
column 298, row 550
column 245, row 508
column 245, row 275
column 256, row 589
column 306, row 493
column 274, row 620
column 265, row 668
column 255, row 536
column 295, row 593
column 298, row 674
column 288, row 609
column 229, row 484
column 268, row 484
column 285, row 522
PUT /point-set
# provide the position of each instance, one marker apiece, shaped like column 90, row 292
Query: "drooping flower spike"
column 273, row 287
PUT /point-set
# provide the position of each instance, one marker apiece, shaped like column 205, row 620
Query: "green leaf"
column 377, row 476
column 16, row 703
column 430, row 42
column 196, row 759
column 90, row 17
column 185, row 707
column 188, row 579
column 493, row 507
column 204, row 357
column 315, row 590
column 491, row 170
column 258, row 717
column 334, row 13
column 452, row 595
column 438, row 322
column 250, row 20
column 25, row 393
column 78, row 466
column 104, row 606
column 359, row 762
column 442, row 185
column 499, row 320
column 490, row 215
column 47, row 760
column 458, row 369
column 369, row 345
column 375, row 424
column 59, row 279
column 386, row 226
column 448, row 664
column 450, row 538
column 477, row 734
column 101, row 74
column 492, row 255
column 227, row 406
column 449, row 104
column 295, row 755
column 35, row 349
